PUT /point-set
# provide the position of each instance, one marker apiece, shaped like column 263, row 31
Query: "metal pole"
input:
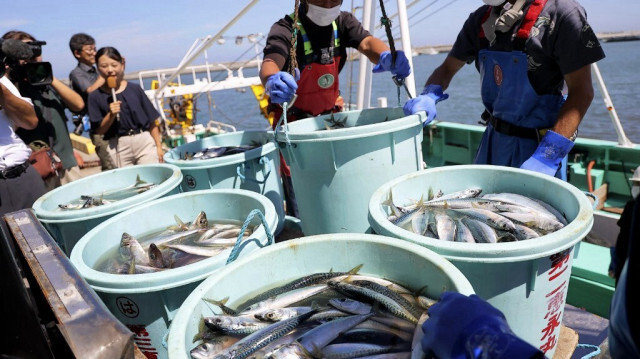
column 406, row 45
column 204, row 46
column 364, row 77
column 623, row 140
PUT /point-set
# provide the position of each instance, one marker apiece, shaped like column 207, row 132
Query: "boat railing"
column 623, row 140
column 220, row 125
column 167, row 78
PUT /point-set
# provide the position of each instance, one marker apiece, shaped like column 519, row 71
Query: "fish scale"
column 373, row 291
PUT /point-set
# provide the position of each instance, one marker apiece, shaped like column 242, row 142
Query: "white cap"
column 636, row 175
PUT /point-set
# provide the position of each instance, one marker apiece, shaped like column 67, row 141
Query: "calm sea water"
column 619, row 70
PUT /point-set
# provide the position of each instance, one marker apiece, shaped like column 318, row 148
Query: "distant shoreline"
column 417, row 50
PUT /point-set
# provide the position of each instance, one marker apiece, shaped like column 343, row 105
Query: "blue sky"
column 157, row 34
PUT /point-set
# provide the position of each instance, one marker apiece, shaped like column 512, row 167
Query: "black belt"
column 130, row 132
column 510, row 129
column 13, row 172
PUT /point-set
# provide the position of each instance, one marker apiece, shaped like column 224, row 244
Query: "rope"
column 594, row 197
column 283, row 118
column 293, row 61
column 596, row 350
column 236, row 248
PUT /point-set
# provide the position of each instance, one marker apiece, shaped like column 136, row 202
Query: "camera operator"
column 50, row 98
column 20, row 184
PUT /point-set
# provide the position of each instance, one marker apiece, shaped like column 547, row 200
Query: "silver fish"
column 445, row 227
column 320, row 336
column 284, row 299
column 244, row 324
column 536, row 222
column 253, row 342
column 302, row 282
column 465, row 193
column 390, row 300
column 480, row 231
column 492, row 219
column 130, row 247
column 353, row 350
column 416, row 347
column 463, row 233
column 202, row 251
column 209, row 348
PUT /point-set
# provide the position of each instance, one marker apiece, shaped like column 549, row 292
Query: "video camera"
column 34, row 73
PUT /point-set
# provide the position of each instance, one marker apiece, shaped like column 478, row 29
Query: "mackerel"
column 320, row 336
column 353, row 350
column 234, row 325
column 253, row 342
column 389, row 299
column 480, row 231
column 492, row 219
column 312, row 279
column 284, row 299
column 445, row 227
column 131, row 248
column 536, row 222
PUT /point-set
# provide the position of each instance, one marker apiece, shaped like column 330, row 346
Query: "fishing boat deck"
column 591, row 328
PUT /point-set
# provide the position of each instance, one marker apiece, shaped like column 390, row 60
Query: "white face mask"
column 493, row 2
column 635, row 191
column 322, row 16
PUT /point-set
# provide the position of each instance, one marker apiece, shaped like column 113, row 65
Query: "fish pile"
column 174, row 247
column 107, row 197
column 216, row 151
column 323, row 315
column 468, row 216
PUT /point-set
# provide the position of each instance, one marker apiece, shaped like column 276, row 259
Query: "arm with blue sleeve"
column 462, row 327
column 433, row 90
column 556, row 143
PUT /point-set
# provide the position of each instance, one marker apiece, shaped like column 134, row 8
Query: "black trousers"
column 20, row 192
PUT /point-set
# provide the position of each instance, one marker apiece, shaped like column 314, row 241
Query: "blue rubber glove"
column 550, row 152
column 468, row 327
column 426, row 101
column 401, row 68
column 281, row 86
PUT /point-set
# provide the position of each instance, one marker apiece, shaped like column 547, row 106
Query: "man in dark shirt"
column 84, row 80
column 323, row 35
column 525, row 51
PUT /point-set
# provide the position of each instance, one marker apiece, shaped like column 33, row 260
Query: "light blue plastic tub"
column 257, row 170
column 406, row 263
column 147, row 303
column 68, row 226
column 334, row 172
column 526, row 280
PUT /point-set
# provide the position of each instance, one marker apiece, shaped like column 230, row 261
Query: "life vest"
column 318, row 87
column 517, row 112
